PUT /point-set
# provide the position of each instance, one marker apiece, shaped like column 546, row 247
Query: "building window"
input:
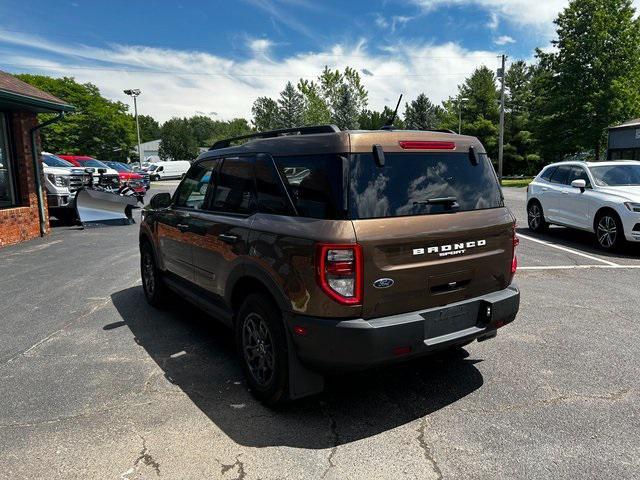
column 7, row 190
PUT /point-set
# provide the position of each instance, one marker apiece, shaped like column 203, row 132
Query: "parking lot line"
column 582, row 267
column 569, row 250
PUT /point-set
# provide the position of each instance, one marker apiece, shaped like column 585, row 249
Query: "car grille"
column 77, row 181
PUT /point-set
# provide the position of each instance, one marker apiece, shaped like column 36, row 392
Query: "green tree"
column 202, row 129
column 149, row 128
column 98, row 127
column 345, row 109
column 290, row 107
column 177, row 140
column 520, row 153
column 265, row 114
column 316, row 110
column 592, row 79
column 421, row 114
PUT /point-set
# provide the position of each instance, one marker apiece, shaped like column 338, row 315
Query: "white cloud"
column 504, row 40
column 259, row 45
column 539, row 13
column 181, row 83
column 494, row 21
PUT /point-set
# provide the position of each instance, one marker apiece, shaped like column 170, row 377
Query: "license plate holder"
column 448, row 320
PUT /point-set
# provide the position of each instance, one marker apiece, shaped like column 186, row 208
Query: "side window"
column 561, row 175
column 235, row 190
column 546, row 175
column 315, row 184
column 193, row 190
column 579, row 173
column 271, row 198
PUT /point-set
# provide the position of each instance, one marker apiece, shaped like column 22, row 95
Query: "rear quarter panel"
column 285, row 248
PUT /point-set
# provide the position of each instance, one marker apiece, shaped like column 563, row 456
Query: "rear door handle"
column 545, row 189
column 230, row 239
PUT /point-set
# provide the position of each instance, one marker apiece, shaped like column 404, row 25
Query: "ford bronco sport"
column 329, row 250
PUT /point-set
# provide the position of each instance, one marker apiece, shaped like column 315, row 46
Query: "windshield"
column 53, row 161
column 151, row 168
column 616, row 175
column 120, row 167
column 421, row 184
column 91, row 162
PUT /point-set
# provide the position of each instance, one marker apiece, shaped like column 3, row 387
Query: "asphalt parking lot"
column 96, row 384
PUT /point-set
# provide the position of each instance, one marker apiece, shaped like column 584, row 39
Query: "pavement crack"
column 428, row 454
column 146, row 458
column 333, row 425
column 238, row 463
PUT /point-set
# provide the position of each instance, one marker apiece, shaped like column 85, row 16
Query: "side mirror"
column 581, row 184
column 102, row 171
column 89, row 170
column 160, row 200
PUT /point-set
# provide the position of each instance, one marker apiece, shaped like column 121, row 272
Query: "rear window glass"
column 315, row 184
column 420, row 184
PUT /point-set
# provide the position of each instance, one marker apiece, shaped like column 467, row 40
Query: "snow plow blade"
column 96, row 207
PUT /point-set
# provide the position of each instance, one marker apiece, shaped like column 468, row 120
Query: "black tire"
column 152, row 282
column 262, row 349
column 156, row 178
column 609, row 231
column 535, row 217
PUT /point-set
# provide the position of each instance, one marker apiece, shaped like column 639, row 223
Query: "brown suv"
column 329, row 250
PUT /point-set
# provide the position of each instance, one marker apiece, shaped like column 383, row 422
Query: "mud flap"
column 96, row 207
column 302, row 381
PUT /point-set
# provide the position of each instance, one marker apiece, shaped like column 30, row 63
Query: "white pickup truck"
column 62, row 180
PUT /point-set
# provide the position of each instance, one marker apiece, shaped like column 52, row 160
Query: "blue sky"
column 215, row 57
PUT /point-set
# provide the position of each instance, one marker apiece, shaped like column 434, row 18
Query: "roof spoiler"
column 277, row 133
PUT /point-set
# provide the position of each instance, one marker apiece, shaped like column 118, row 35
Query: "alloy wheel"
column 257, row 347
column 607, row 231
column 535, row 216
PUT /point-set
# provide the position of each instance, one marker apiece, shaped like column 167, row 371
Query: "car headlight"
column 634, row 207
column 58, row 180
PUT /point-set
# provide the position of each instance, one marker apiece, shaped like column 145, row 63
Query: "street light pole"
column 134, row 93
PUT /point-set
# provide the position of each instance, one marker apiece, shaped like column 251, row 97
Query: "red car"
column 132, row 179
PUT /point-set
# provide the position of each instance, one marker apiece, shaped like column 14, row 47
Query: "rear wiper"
column 453, row 201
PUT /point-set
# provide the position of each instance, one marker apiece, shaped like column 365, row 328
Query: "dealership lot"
column 94, row 383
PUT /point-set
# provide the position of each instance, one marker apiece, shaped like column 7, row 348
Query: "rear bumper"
column 331, row 345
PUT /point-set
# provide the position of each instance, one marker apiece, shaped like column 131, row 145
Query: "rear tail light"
column 514, row 262
column 339, row 272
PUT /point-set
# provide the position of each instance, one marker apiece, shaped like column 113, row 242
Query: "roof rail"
column 277, row 133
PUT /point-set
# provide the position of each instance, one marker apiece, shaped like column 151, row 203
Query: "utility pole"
column 502, row 73
column 134, row 94
column 460, row 100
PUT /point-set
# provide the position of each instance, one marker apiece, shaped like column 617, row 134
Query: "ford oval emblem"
column 383, row 283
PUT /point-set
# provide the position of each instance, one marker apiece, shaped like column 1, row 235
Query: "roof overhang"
column 15, row 101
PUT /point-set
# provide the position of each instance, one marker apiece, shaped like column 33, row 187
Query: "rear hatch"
column 433, row 229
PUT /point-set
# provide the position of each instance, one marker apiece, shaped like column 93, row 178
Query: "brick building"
column 23, row 213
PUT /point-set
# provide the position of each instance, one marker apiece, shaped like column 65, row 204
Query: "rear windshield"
column 420, row 184
column 354, row 187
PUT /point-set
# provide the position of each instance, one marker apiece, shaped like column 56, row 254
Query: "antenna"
column 389, row 124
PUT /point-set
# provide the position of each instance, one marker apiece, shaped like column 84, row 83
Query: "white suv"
column 600, row 197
